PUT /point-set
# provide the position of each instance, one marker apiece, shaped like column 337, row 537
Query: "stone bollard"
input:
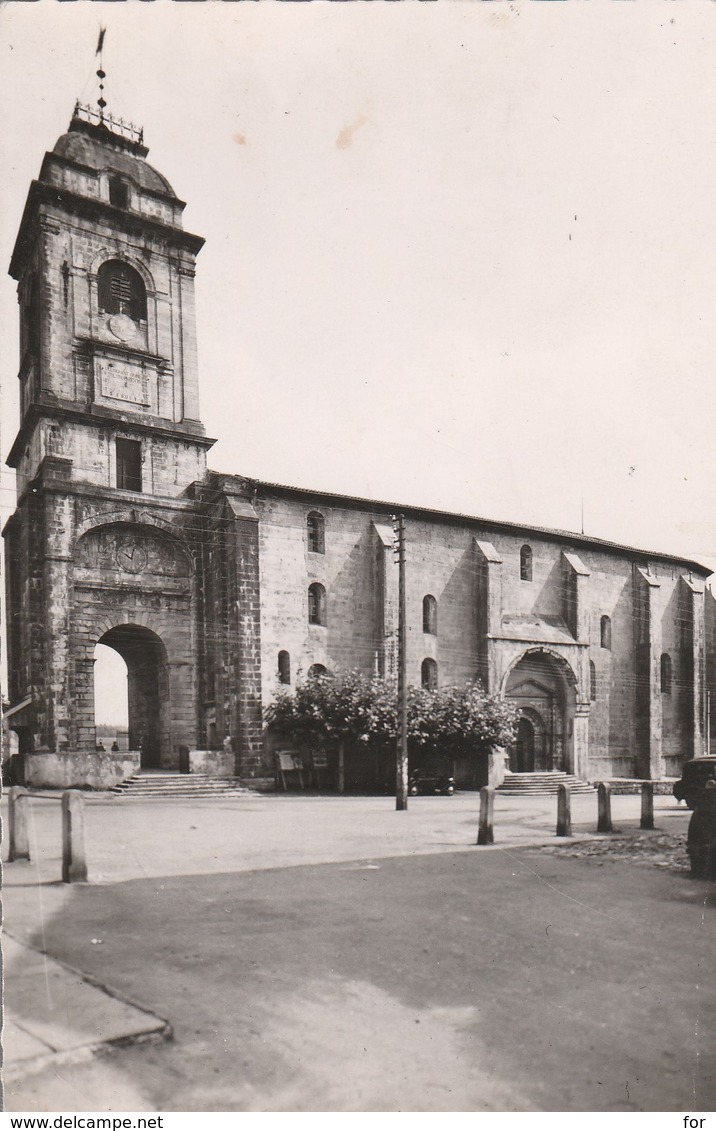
column 74, row 861
column 647, row 805
column 604, row 808
column 17, row 807
column 564, row 811
column 485, row 833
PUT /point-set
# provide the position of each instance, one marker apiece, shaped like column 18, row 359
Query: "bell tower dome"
column 105, row 273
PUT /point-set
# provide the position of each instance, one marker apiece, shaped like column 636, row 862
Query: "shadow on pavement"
column 500, row 980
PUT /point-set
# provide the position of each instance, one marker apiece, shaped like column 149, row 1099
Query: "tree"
column 454, row 722
column 328, row 708
column 459, row 721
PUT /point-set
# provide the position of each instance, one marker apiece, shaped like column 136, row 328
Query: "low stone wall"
column 259, row 785
column 633, row 785
column 215, row 763
column 72, row 770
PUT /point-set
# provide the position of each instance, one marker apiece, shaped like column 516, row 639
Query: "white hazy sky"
column 458, row 254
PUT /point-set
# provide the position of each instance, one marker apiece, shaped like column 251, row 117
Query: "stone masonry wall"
column 442, row 561
column 168, row 463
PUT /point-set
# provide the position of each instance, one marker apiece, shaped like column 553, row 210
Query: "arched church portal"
column 529, row 743
column 149, row 716
column 542, row 687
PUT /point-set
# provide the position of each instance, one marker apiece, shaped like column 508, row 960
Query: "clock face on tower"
column 131, row 557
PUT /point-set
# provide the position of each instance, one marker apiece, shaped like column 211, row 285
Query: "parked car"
column 701, row 840
column 693, row 778
column 430, row 781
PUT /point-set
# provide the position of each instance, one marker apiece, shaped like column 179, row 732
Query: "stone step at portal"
column 159, row 784
column 542, row 782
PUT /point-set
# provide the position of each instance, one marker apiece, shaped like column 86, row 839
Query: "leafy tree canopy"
column 460, row 720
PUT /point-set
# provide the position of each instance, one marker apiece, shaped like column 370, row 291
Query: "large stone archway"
column 134, row 592
column 543, row 687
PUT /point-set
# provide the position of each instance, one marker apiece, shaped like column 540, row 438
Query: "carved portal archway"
column 542, row 686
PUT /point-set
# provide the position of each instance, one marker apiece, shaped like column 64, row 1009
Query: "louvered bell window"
column 121, row 290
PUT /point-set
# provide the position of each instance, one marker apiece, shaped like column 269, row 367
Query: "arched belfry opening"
column 148, row 705
column 543, row 688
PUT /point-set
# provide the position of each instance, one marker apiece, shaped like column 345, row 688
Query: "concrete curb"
column 31, row 1066
column 55, row 1018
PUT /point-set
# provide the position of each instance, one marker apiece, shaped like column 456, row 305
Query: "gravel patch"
column 654, row 849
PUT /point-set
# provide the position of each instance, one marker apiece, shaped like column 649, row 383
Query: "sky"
column 458, row 255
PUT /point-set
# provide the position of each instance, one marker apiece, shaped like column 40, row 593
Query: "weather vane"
column 116, row 126
column 101, row 102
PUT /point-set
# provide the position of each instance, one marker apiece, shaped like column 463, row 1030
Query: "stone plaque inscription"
column 122, row 382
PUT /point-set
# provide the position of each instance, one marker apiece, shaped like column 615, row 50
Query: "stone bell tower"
column 102, row 545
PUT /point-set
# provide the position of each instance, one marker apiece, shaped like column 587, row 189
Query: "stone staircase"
column 160, row 783
column 542, row 784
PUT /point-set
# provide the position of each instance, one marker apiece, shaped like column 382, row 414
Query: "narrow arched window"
column 606, row 632
column 592, row 680
column 316, row 604
column 121, row 290
column 665, row 674
column 430, row 615
column 429, row 673
column 316, row 529
column 526, row 563
column 118, row 192
column 284, row 667
column 316, row 671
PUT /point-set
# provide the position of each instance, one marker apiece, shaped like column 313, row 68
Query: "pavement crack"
column 571, row 898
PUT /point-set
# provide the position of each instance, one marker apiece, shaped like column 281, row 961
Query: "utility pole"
column 401, row 768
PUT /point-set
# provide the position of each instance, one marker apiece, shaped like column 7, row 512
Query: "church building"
column 218, row 589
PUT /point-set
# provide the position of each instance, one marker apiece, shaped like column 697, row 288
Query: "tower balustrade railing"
column 118, row 126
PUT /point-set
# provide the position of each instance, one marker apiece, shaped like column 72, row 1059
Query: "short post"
column 74, row 860
column 17, row 806
column 647, row 805
column 604, row 808
column 564, row 811
column 485, row 833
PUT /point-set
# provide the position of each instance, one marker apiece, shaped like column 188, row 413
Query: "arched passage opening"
column 111, row 709
column 543, row 689
column 148, row 713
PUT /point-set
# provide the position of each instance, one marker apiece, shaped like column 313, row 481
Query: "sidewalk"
column 53, row 1013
